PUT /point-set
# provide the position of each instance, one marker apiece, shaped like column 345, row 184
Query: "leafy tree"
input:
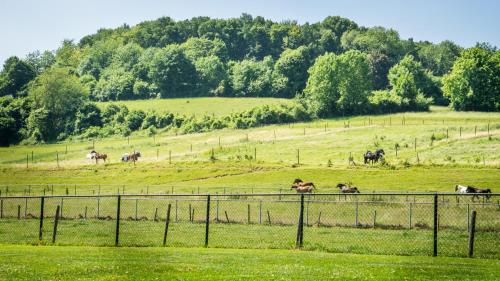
column 115, row 84
column 134, row 119
column 88, row 115
column 424, row 81
column 68, row 55
column 408, row 81
column 212, row 76
column 41, row 61
column 8, row 130
column 291, row 68
column 143, row 65
column 250, row 78
column 127, row 56
column 98, row 57
column 439, row 58
column 57, row 95
column 474, row 82
column 339, row 84
column 173, row 73
column 196, row 48
column 16, row 74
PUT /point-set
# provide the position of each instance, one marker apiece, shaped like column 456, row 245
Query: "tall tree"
column 173, row 73
column 474, row 82
column 15, row 76
column 57, row 95
column 339, row 84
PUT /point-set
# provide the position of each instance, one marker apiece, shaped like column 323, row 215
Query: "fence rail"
column 371, row 223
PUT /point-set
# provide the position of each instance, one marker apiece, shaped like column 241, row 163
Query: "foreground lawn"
column 95, row 263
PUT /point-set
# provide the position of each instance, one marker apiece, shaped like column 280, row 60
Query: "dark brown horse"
column 371, row 157
column 299, row 182
column 347, row 189
column 96, row 155
column 131, row 157
column 478, row 191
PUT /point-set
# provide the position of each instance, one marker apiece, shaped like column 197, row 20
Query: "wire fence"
column 442, row 224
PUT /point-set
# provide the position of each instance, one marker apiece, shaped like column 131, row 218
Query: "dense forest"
column 332, row 68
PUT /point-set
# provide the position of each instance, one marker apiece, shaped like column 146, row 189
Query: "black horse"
column 371, row 157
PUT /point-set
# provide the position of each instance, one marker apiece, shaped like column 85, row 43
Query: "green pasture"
column 198, row 106
column 451, row 148
column 106, row 263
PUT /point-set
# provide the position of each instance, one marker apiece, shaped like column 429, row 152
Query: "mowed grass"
column 102, row 263
column 451, row 148
column 199, row 106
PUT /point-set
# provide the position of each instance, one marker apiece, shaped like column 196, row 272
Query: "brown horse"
column 478, row 191
column 95, row 155
column 131, row 157
column 302, row 187
column 347, row 189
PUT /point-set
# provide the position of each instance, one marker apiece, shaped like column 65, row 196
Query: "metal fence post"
column 435, row 232
column 56, row 222
column 300, row 227
column 471, row 234
column 117, row 233
column 207, row 220
column 42, row 203
column 167, row 221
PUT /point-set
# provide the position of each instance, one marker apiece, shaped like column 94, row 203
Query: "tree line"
column 333, row 67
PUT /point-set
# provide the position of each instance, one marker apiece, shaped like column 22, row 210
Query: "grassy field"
column 95, row 263
column 198, row 106
column 451, row 148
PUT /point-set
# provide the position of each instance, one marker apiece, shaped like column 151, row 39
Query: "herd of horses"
column 132, row 157
column 308, row 187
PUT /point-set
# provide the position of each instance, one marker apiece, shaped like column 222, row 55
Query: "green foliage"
column 410, row 82
column 88, row 115
column 15, row 76
column 251, row 78
column 439, row 58
column 474, row 82
column 173, row 73
column 339, row 84
column 212, row 76
column 134, row 119
column 57, row 95
column 40, row 61
column 291, row 71
column 115, row 84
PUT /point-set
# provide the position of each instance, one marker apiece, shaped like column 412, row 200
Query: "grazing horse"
column 371, row 157
column 95, row 155
column 131, row 157
column 302, row 187
column 347, row 189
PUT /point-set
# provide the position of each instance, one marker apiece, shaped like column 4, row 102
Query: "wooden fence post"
column 357, row 213
column 170, row 156
column 248, row 213
column 435, row 227
column 255, row 153
column 18, row 212
column 227, row 217
column 56, row 222
column 268, row 217
column 374, row 218
column 167, row 222
column 260, row 212
column 471, row 234
column 156, row 215
column 117, row 232
column 298, row 156
column 207, row 220
column 57, row 159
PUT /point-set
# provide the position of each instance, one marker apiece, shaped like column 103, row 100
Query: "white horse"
column 462, row 188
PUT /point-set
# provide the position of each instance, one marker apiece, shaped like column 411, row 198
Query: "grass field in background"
column 461, row 152
column 198, row 106
column 96, row 263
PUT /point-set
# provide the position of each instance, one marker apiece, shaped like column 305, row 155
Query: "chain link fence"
column 442, row 224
